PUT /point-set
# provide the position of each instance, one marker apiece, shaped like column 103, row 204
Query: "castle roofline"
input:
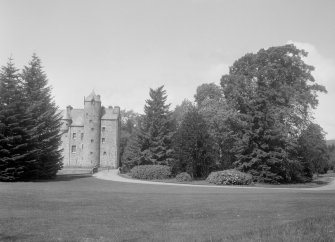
column 92, row 97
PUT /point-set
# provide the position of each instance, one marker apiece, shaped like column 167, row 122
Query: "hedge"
column 229, row 177
column 184, row 176
column 150, row 172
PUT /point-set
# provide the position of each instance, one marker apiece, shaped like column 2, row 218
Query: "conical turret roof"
column 93, row 96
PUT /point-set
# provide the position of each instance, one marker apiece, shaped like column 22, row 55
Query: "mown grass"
column 82, row 208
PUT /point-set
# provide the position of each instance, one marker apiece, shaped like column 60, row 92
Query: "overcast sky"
column 122, row 48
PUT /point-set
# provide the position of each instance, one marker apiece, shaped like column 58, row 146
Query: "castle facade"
column 91, row 136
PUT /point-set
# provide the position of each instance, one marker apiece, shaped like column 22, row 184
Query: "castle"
column 90, row 136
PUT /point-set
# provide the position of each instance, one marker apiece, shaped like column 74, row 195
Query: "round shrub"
column 184, row 176
column 229, row 177
column 150, row 172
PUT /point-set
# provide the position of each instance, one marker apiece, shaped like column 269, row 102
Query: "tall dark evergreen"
column 47, row 120
column 156, row 129
column 17, row 155
column 193, row 146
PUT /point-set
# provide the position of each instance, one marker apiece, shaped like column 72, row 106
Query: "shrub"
column 150, row 172
column 229, row 177
column 184, row 176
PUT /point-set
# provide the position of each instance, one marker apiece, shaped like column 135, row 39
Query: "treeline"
column 258, row 120
column 29, row 124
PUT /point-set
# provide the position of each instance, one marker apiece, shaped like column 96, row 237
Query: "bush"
column 184, row 176
column 150, row 172
column 229, row 177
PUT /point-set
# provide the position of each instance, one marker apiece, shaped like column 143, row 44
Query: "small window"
column 90, row 121
column 82, row 136
column 92, row 129
column 82, row 146
column 103, row 129
column 92, row 140
column 105, row 153
column 91, row 153
column 74, row 135
column 103, row 140
column 73, row 149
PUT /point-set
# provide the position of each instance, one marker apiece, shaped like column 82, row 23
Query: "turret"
column 91, row 142
column 66, row 120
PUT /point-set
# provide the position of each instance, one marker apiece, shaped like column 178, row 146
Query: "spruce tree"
column 156, row 129
column 17, row 155
column 47, row 119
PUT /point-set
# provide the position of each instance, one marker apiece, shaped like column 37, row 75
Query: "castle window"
column 73, row 149
column 92, row 140
column 74, row 135
column 103, row 129
column 103, row 140
column 82, row 136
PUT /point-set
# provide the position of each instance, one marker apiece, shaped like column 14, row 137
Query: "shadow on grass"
column 65, row 177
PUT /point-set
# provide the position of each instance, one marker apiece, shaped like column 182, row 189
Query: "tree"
column 132, row 152
column 156, row 129
column 273, row 91
column 47, row 119
column 17, row 156
column 313, row 149
column 180, row 111
column 193, row 146
column 129, row 122
column 207, row 91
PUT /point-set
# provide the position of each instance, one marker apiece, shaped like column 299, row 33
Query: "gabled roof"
column 76, row 115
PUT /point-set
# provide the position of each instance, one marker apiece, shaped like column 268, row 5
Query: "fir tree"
column 156, row 129
column 47, row 119
column 16, row 152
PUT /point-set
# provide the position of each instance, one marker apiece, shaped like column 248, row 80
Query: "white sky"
column 122, row 48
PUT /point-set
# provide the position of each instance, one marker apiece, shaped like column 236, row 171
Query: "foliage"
column 193, row 146
column 17, row 155
column 184, row 176
column 150, row 172
column 180, row 111
column 229, row 177
column 273, row 92
column 331, row 152
column 223, row 123
column 129, row 123
column 313, row 149
column 207, row 91
column 47, row 119
column 156, row 130
column 132, row 153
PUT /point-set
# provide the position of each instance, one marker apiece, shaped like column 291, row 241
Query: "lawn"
column 82, row 208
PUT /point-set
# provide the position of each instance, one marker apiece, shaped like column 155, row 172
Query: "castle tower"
column 91, row 139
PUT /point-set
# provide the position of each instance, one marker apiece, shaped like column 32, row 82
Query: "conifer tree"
column 156, row 129
column 17, row 155
column 47, row 119
column 193, row 146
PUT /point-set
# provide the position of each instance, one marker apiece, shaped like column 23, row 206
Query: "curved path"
column 113, row 175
